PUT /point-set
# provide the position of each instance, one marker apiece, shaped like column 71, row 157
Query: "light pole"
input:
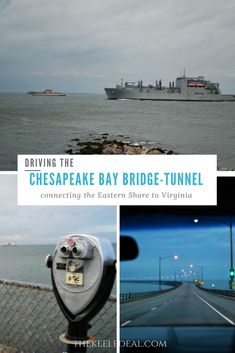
column 174, row 257
column 230, row 224
column 231, row 272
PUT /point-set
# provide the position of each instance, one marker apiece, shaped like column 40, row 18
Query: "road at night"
column 186, row 305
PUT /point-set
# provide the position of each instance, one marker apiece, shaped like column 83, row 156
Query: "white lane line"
column 217, row 311
column 125, row 323
column 154, row 308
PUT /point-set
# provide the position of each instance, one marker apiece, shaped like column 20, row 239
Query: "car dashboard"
column 188, row 339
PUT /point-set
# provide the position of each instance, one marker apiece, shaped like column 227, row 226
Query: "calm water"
column 46, row 125
column 128, row 287
column 26, row 263
column 218, row 283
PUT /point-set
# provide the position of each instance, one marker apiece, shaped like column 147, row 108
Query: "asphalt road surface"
column 186, row 305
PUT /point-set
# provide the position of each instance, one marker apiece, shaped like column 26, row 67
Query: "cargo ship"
column 48, row 92
column 7, row 245
column 186, row 89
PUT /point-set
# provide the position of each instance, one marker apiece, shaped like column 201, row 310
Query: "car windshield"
column 184, row 272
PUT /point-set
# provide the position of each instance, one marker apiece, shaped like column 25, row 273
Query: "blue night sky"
column 205, row 243
column 170, row 230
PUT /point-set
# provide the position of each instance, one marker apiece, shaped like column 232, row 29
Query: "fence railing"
column 228, row 293
column 128, row 297
column 31, row 321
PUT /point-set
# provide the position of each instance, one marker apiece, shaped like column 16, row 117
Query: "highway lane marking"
column 217, row 311
column 125, row 323
column 158, row 306
column 142, row 314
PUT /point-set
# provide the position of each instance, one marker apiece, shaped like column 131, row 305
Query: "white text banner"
column 117, row 180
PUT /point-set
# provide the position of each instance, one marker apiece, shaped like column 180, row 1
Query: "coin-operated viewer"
column 83, row 273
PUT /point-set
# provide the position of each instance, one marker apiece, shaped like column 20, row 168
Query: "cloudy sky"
column 85, row 45
column 45, row 225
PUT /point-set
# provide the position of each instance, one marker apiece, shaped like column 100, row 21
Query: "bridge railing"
column 228, row 293
column 128, row 297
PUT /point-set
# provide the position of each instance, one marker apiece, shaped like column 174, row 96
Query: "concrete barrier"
column 227, row 293
column 128, row 297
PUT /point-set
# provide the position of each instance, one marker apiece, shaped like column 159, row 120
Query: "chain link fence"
column 31, row 321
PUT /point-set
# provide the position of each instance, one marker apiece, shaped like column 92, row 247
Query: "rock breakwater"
column 106, row 144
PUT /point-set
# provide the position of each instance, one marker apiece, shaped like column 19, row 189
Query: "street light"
column 231, row 271
column 181, row 273
column 174, row 257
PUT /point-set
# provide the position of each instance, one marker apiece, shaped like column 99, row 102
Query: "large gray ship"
column 196, row 89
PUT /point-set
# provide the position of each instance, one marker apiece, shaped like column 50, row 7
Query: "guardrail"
column 227, row 293
column 128, row 297
column 31, row 321
column 167, row 283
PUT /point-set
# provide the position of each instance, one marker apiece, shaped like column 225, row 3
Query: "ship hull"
column 48, row 95
column 125, row 93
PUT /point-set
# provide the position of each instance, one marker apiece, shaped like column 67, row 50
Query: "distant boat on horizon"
column 47, row 92
column 7, row 245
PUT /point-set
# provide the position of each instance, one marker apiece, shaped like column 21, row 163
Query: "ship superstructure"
column 183, row 89
column 47, row 92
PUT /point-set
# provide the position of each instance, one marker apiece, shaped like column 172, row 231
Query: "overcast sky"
column 85, row 45
column 45, row 225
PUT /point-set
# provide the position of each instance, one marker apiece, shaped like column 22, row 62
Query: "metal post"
column 231, row 244
column 231, row 281
column 202, row 273
column 159, row 272
column 77, row 332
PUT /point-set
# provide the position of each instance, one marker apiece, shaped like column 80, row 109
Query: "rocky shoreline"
column 107, row 144
column 120, row 144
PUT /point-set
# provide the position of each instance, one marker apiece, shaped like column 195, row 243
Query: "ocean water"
column 217, row 284
column 26, row 263
column 134, row 287
column 46, row 125
column 128, row 287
